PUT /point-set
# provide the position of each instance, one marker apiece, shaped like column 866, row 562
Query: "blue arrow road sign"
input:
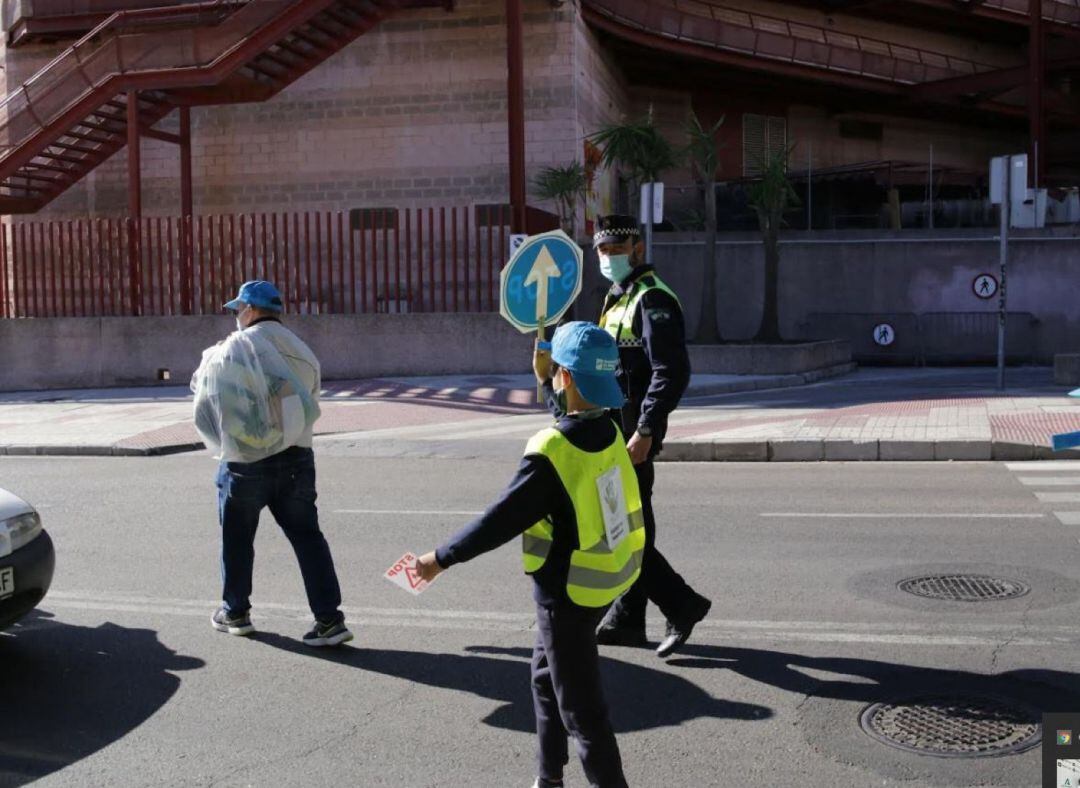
column 541, row 280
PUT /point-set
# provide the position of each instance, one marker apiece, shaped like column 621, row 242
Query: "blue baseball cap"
column 257, row 293
column 590, row 353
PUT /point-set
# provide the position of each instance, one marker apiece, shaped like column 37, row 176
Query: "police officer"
column 645, row 318
column 576, row 503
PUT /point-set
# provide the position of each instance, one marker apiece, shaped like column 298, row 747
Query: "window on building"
column 763, row 136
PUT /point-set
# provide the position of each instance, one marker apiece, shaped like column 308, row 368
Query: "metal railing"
column 1062, row 11
column 776, row 38
column 437, row 259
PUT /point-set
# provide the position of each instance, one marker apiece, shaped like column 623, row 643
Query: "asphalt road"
column 121, row 681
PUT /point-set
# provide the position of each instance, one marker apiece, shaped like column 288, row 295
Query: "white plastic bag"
column 249, row 404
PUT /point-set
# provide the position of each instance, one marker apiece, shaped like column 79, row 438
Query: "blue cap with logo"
column 259, row 294
column 590, row 353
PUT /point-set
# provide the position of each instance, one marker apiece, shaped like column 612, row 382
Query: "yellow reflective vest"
column 598, row 573
column 618, row 320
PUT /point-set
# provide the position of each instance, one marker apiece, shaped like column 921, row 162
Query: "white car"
column 26, row 558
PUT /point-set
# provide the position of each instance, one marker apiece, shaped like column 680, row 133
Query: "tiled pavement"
column 872, row 414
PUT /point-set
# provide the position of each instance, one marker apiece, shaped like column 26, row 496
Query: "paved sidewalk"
column 871, row 414
column 152, row 421
column 885, row 414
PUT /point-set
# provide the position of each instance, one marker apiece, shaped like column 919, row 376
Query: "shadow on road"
column 68, row 691
column 872, row 681
column 648, row 698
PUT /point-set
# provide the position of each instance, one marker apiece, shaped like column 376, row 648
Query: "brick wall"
column 412, row 113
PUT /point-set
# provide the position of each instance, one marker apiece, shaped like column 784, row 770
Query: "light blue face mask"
column 615, row 268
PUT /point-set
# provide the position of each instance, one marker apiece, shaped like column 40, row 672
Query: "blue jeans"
column 285, row 483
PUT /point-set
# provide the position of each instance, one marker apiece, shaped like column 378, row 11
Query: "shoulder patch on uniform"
column 659, row 315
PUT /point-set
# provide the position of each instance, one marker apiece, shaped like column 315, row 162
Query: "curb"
column 858, row 451
column 771, row 382
column 98, row 451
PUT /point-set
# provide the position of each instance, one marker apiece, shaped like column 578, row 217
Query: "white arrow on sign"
column 543, row 268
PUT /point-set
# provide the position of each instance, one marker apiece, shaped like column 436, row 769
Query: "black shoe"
column 328, row 634
column 234, row 624
column 542, row 783
column 678, row 632
column 621, row 635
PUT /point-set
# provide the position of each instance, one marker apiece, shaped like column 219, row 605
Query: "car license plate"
column 7, row 582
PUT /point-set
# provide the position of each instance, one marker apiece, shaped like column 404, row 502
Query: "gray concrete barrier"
column 881, row 273
column 1067, row 369
column 791, row 359
column 53, row 353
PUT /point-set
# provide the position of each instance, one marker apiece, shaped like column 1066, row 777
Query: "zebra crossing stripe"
column 1050, row 481
column 1058, row 497
column 1068, row 518
column 1044, row 465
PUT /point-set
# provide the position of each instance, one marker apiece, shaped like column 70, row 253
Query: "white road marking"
column 1058, row 497
column 1044, row 465
column 419, row 512
column 1050, row 481
column 1068, row 518
column 907, row 515
column 720, row 631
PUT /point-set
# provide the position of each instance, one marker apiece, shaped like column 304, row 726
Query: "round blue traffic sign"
column 541, row 280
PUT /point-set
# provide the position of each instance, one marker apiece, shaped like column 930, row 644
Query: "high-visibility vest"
column 598, row 574
column 619, row 319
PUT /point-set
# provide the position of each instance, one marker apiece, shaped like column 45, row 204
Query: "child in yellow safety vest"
column 576, row 505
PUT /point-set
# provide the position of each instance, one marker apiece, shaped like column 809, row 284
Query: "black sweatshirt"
column 534, row 493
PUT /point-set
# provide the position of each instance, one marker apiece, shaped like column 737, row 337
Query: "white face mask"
column 616, row 267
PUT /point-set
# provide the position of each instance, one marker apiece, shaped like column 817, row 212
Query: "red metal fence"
column 370, row 260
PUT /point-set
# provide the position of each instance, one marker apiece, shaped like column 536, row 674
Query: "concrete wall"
column 118, row 351
column 883, row 273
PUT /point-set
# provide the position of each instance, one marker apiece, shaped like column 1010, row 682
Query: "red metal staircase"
column 76, row 112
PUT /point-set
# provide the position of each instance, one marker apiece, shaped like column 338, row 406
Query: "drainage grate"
column 955, row 726
column 964, row 588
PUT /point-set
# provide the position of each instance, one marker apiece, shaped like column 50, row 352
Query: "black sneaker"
column 542, row 783
column 332, row 634
column 233, row 623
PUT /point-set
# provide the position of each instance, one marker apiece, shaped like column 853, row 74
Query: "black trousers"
column 658, row 582
column 569, row 699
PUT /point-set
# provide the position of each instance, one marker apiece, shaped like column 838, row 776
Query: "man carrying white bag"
column 256, row 402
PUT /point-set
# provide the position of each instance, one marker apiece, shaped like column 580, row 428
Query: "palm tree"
column 770, row 197
column 563, row 186
column 701, row 152
column 642, row 153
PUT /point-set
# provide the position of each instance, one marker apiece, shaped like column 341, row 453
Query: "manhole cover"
column 955, row 726
column 964, row 588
